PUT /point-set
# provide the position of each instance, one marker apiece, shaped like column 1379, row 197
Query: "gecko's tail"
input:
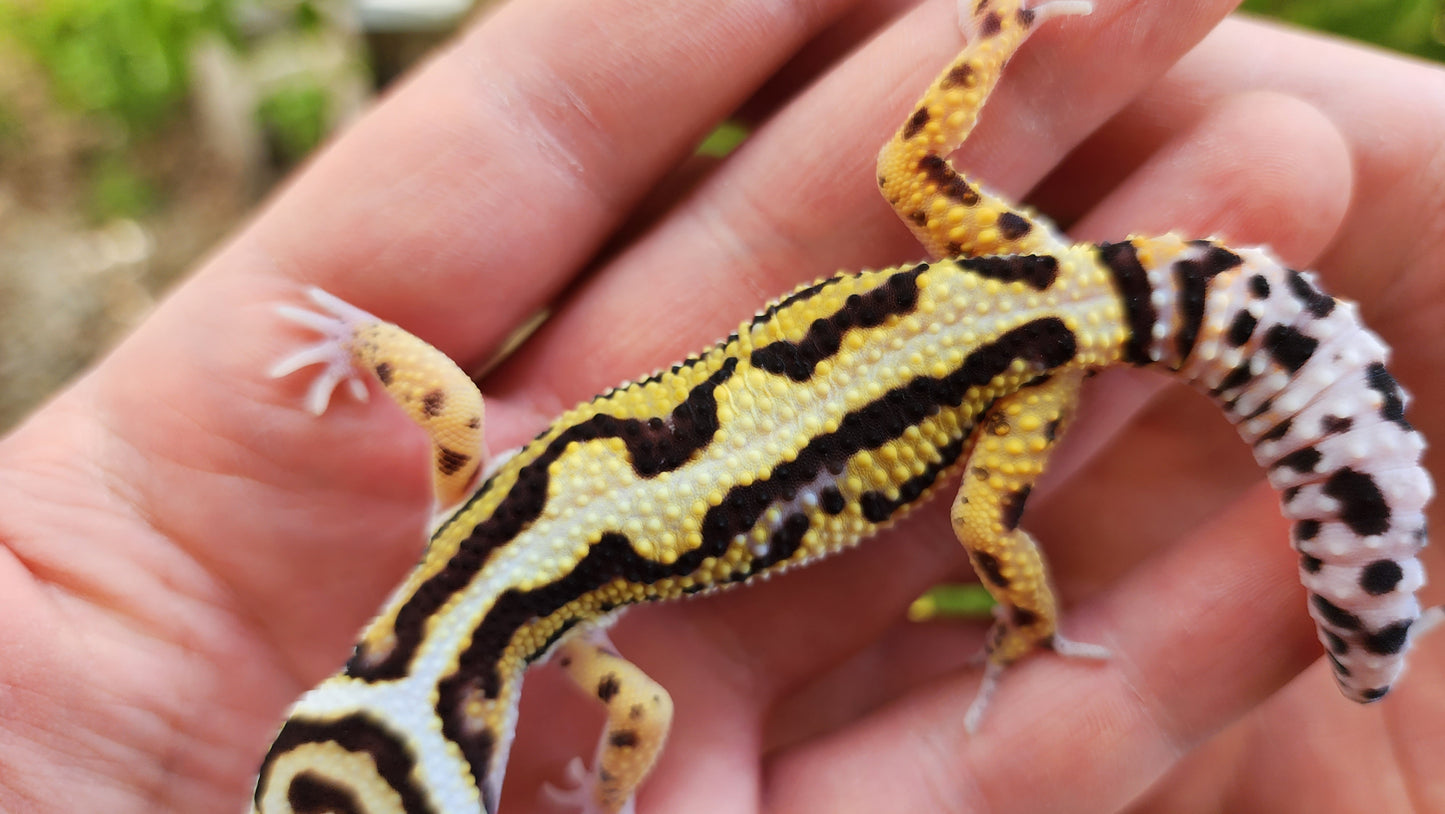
column 1306, row 385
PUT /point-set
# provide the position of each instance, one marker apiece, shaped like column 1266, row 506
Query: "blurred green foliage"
column 124, row 64
column 296, row 117
column 1411, row 26
column 125, row 59
column 117, row 189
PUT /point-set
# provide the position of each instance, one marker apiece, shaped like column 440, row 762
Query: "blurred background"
column 136, row 133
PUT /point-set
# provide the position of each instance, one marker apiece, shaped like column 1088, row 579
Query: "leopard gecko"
column 824, row 418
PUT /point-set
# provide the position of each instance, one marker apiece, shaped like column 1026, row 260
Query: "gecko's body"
column 824, row 418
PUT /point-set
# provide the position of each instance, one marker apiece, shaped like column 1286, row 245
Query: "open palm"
column 186, row 549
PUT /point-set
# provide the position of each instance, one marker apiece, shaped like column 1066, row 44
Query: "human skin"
column 186, row 550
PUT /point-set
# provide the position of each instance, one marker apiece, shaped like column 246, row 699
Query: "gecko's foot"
column 580, row 792
column 973, row 13
column 336, row 321
column 994, row 670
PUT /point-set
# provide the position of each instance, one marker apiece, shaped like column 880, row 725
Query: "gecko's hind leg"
column 639, row 715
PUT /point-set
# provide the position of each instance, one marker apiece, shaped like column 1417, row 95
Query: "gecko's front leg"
column 435, row 393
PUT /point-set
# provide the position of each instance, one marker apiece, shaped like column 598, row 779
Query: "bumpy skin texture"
column 829, row 415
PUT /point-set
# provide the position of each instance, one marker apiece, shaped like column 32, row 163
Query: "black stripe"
column 797, row 360
column 877, row 507
column 797, row 296
column 654, row 446
column 354, row 733
column 1191, row 278
column 1037, row 271
column 312, row 794
column 783, row 543
column 1132, row 283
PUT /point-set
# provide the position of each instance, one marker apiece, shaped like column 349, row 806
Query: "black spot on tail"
column 1241, row 329
column 1302, row 460
column 1278, row 431
column 1259, row 287
column 1380, row 577
column 1337, row 645
column 1334, row 614
column 1377, row 378
column 1318, row 303
column 1238, row 377
column 1362, row 504
column 1388, row 640
column 1289, row 347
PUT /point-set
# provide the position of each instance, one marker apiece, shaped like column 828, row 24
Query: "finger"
column 1391, row 122
column 494, row 174
column 1137, row 712
column 798, row 200
column 862, row 593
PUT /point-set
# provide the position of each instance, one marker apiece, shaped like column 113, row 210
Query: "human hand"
column 188, row 549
